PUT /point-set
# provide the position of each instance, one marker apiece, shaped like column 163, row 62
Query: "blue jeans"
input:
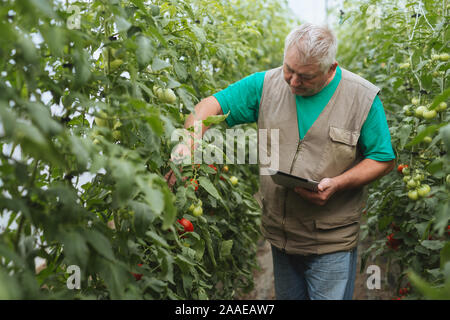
column 328, row 276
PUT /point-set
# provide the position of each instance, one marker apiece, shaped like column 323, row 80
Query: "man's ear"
column 333, row 66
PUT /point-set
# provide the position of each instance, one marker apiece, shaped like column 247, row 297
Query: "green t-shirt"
column 242, row 99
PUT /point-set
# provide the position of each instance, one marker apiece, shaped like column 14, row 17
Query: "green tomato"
column 198, row 211
column 413, row 195
column 427, row 139
column 411, row 184
column 444, row 56
column 101, row 121
column 429, row 114
column 442, row 106
column 406, row 171
column 191, row 208
column 415, row 101
column 405, row 65
column 169, row 96
column 420, row 111
column 234, row 181
column 115, row 64
column 116, row 134
column 424, row 190
column 406, row 179
column 407, row 110
column 447, row 179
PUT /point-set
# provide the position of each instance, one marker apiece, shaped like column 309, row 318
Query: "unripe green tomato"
column 198, row 211
column 444, row 56
column 424, row 190
column 417, row 177
column 406, row 179
column 404, row 65
column 415, row 101
column 420, row 110
column 413, row 195
column 169, row 96
column 115, row 64
column 427, row 139
column 101, row 121
column 447, row 179
column 155, row 10
column 117, row 124
column 234, row 181
column 406, row 110
column 411, row 184
column 96, row 141
column 406, row 171
column 191, row 208
column 434, row 57
column 116, row 134
column 429, row 114
column 442, row 106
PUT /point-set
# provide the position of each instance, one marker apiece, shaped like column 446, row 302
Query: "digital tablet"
column 290, row 181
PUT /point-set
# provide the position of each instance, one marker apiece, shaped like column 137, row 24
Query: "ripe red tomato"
column 195, row 183
column 137, row 276
column 392, row 242
column 213, row 167
column 401, row 166
column 188, row 226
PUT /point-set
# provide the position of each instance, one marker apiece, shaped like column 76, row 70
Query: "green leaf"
column 432, row 244
column 159, row 64
column 170, row 212
column 100, row 243
column 155, row 199
column 76, row 250
column 215, row 119
column 225, row 248
column 180, row 70
column 206, row 184
column 122, row 24
column 445, row 254
column 157, row 239
column 144, row 52
column 426, row 289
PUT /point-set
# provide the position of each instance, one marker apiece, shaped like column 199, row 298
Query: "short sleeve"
column 242, row 99
column 375, row 138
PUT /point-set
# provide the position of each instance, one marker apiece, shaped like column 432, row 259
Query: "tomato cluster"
column 392, row 242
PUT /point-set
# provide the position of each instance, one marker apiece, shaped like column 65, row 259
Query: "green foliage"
column 86, row 143
column 401, row 47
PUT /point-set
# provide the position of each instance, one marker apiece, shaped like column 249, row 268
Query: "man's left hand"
column 326, row 188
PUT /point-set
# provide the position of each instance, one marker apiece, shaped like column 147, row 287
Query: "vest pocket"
column 341, row 151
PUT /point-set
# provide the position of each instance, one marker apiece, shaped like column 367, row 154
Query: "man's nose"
column 295, row 81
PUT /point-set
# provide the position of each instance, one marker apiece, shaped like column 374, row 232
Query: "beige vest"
column 328, row 149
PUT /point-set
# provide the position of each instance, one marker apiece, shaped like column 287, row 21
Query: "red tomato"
column 137, row 276
column 188, row 226
column 195, row 183
column 401, row 166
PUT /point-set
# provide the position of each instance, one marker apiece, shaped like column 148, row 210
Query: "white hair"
column 314, row 42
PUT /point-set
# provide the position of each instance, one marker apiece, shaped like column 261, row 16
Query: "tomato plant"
column 89, row 100
column 402, row 49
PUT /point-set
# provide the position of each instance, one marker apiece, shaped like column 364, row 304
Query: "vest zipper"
column 285, row 194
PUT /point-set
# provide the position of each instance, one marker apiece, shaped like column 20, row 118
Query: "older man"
column 332, row 129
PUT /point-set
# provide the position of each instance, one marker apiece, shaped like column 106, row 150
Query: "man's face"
column 304, row 79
